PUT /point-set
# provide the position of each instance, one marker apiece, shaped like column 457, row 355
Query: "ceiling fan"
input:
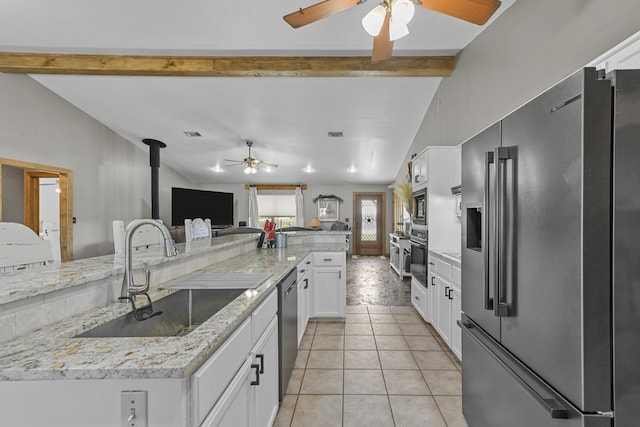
column 388, row 21
column 252, row 165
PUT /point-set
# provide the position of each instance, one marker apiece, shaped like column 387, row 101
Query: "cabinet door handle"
column 433, row 278
column 261, row 357
column 340, row 274
column 257, row 368
column 328, row 259
column 308, row 262
column 430, row 263
column 450, row 292
column 306, row 283
column 302, row 271
column 446, row 291
column 417, row 297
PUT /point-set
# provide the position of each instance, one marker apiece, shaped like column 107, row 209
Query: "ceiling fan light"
column 247, row 170
column 402, row 11
column 372, row 22
column 397, row 30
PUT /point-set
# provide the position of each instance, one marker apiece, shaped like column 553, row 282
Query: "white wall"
column 111, row 177
column 530, row 47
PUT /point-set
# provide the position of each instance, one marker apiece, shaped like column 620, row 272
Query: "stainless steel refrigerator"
column 551, row 259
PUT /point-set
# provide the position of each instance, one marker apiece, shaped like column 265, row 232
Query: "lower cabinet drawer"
column 419, row 298
column 443, row 269
column 262, row 316
column 211, row 379
column 326, row 259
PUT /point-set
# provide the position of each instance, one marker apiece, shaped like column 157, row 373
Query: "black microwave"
column 420, row 207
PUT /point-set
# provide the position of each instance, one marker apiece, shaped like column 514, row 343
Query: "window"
column 280, row 207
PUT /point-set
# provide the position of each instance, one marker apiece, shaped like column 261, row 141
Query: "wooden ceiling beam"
column 225, row 66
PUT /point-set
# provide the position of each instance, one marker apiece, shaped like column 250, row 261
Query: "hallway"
column 384, row 366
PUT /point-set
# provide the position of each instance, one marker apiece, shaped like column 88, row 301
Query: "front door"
column 368, row 223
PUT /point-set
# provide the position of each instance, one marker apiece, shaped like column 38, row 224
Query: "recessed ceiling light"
column 352, row 169
column 335, row 134
column 267, row 169
column 217, row 169
column 308, row 169
column 192, row 133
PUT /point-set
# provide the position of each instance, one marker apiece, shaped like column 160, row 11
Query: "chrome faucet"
column 129, row 288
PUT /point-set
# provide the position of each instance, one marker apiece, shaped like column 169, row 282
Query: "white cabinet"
column 225, row 395
column 304, row 279
column 457, row 175
column 419, row 298
column 442, row 322
column 419, row 171
column 329, row 285
column 444, row 225
column 264, row 386
column 456, row 314
column 445, row 280
column 399, row 249
column 234, row 406
column 209, row 382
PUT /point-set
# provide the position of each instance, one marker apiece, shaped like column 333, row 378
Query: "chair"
column 146, row 238
column 340, row 226
column 52, row 235
column 22, row 248
column 197, row 233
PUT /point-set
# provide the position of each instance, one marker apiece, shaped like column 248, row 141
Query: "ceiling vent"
column 192, row 134
column 335, row 134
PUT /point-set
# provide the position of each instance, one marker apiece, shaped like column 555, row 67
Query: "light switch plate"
column 133, row 408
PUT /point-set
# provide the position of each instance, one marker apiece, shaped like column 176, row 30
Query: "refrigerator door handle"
column 501, row 308
column 552, row 406
column 488, row 301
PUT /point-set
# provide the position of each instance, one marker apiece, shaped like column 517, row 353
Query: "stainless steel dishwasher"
column 287, row 328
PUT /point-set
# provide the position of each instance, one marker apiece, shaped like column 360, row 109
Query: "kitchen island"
column 44, row 359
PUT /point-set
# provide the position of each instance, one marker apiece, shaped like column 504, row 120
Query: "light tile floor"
column 383, row 366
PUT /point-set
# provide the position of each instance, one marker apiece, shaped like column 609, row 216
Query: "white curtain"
column 253, row 208
column 299, row 208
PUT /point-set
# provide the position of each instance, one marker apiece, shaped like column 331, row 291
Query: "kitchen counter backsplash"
column 52, row 352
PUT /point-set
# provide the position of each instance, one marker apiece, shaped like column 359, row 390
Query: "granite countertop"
column 52, row 352
column 24, row 284
column 448, row 255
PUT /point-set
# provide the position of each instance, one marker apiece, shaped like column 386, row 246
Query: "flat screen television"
column 188, row 204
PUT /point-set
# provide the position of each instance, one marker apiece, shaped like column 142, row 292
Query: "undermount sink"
column 182, row 312
column 219, row 281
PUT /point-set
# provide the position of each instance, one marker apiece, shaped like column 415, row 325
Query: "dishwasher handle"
column 290, row 288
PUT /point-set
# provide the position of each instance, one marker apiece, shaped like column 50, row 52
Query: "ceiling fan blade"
column 382, row 45
column 318, row 11
column 474, row 11
column 271, row 165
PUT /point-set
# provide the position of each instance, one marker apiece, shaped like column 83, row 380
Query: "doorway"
column 369, row 223
column 32, row 173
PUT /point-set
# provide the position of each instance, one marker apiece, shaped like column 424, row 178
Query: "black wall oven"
column 419, row 249
column 420, row 207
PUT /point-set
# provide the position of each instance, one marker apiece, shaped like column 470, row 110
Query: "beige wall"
column 111, row 177
column 529, row 48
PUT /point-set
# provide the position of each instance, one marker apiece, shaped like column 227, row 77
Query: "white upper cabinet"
column 419, row 171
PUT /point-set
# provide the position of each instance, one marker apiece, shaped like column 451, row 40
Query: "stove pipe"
column 154, row 162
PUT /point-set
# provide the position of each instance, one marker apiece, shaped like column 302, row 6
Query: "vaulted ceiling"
column 287, row 118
